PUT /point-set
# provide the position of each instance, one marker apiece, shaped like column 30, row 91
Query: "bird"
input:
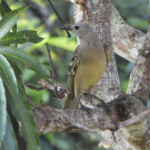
column 87, row 64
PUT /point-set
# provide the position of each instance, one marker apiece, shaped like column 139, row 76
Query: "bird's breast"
column 91, row 67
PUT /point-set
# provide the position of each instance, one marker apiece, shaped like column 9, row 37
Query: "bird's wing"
column 74, row 63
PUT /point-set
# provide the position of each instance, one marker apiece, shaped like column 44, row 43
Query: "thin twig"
column 53, row 76
column 59, row 17
column 33, row 87
column 31, row 103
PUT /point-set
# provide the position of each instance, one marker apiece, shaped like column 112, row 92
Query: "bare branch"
column 126, row 40
column 60, row 19
column 32, row 104
column 57, row 89
column 50, row 119
column 139, row 84
column 53, row 76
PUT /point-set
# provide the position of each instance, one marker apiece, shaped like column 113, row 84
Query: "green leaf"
column 22, row 57
column 4, row 8
column 20, row 37
column 8, row 75
column 19, row 106
column 9, row 20
column 10, row 141
column 3, row 112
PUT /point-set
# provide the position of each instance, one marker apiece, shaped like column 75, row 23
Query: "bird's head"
column 81, row 30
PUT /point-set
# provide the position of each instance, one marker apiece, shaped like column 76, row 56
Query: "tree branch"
column 139, row 84
column 126, row 40
column 50, row 119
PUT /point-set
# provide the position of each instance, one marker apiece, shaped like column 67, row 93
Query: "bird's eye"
column 76, row 27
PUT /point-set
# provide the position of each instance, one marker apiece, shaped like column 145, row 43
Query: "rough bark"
column 110, row 116
column 126, row 40
column 139, row 84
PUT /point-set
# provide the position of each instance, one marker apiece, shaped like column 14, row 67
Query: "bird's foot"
column 88, row 110
column 89, row 96
column 99, row 99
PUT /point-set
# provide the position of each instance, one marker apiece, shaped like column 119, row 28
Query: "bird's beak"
column 66, row 28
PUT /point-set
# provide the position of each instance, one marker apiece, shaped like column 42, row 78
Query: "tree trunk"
column 117, row 34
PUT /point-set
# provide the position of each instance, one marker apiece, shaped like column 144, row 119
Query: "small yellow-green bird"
column 88, row 63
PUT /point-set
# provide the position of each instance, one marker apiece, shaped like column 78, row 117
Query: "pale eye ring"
column 76, row 27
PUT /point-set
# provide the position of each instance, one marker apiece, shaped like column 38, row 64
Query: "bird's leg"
column 87, row 93
column 89, row 96
column 88, row 110
column 102, row 102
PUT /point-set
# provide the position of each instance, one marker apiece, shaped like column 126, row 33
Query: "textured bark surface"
column 139, row 84
column 109, row 116
column 126, row 40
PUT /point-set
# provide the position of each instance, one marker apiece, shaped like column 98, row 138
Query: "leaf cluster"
column 13, row 100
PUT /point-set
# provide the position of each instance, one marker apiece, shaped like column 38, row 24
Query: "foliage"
column 11, row 84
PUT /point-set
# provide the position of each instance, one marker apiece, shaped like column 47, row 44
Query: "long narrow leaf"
column 3, row 112
column 4, row 8
column 9, row 21
column 19, row 106
column 10, row 141
column 22, row 57
column 20, row 37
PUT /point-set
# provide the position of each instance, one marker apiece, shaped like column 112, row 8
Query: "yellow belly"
column 89, row 74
